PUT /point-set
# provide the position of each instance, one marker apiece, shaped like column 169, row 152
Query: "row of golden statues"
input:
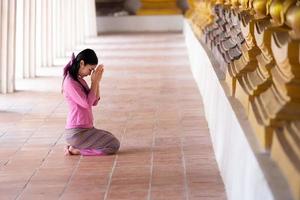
column 259, row 44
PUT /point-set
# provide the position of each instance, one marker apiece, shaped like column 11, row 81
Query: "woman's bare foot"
column 74, row 151
column 69, row 150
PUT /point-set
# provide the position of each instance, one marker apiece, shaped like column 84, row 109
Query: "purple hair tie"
column 69, row 65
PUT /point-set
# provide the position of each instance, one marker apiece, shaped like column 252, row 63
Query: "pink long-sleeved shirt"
column 80, row 105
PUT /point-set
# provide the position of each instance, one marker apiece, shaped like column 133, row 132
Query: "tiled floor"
column 149, row 101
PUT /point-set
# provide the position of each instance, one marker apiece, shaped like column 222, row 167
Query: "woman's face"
column 85, row 70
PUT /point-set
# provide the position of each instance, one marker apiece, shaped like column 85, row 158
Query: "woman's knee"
column 116, row 145
column 112, row 147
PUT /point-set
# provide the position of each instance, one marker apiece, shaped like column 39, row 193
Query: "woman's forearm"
column 94, row 88
column 98, row 91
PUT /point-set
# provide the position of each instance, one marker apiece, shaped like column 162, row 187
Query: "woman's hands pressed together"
column 97, row 74
column 96, row 78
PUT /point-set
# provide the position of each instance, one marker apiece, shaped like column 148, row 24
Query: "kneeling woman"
column 81, row 136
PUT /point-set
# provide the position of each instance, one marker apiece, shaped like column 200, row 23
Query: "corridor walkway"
column 149, row 100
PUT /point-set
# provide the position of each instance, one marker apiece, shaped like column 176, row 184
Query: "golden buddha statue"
column 260, row 8
column 293, row 20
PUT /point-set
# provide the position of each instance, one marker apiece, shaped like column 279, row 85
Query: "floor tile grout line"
column 27, row 182
column 151, row 169
column 42, row 161
column 11, row 157
column 74, row 169
column 70, row 178
column 184, row 170
column 35, row 171
column 152, row 155
column 2, row 133
column 110, row 177
column 186, row 188
column 33, row 132
column 114, row 165
column 152, row 150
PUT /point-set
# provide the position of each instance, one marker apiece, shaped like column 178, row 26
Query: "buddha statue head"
column 235, row 3
column 192, row 3
column 210, row 3
column 279, row 9
column 293, row 20
column 227, row 2
column 220, row 1
column 260, row 8
column 276, row 8
column 244, row 4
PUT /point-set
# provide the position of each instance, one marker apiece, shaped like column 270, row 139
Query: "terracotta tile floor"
column 149, row 101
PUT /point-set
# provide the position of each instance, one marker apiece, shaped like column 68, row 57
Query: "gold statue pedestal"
column 159, row 7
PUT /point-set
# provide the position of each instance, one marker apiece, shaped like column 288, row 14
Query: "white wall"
column 139, row 23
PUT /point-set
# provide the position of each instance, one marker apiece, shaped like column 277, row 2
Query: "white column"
column 7, row 42
column 59, row 14
column 90, row 19
column 1, row 7
column 3, row 53
column 38, row 35
column 49, row 34
column 73, row 24
column 62, row 30
column 62, row 19
column 26, row 12
column 54, row 30
column 29, row 43
column 67, row 26
column 78, row 16
column 81, row 39
column 19, row 70
column 44, row 46
column 11, row 46
column 93, row 21
column 86, row 19
column 32, row 37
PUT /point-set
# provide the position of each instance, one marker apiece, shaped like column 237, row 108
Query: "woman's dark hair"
column 89, row 57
